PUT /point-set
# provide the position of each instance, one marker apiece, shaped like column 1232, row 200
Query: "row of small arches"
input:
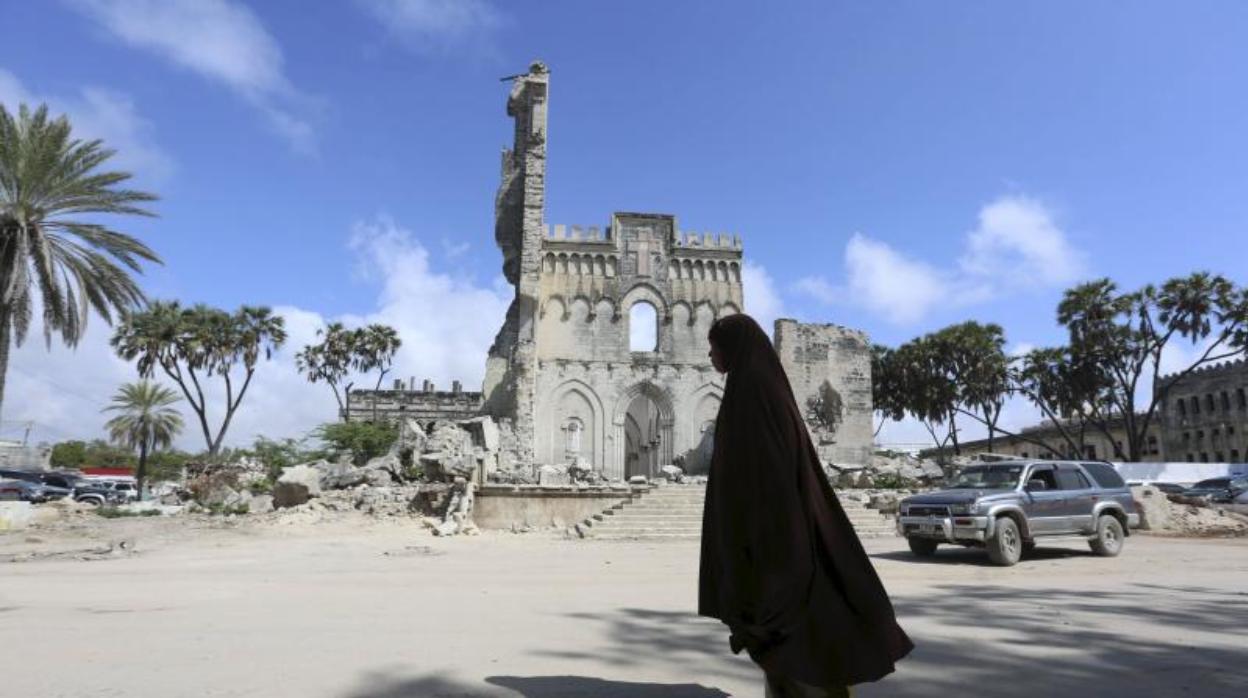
column 581, row 264
column 697, row 270
column 608, row 265
column 561, row 308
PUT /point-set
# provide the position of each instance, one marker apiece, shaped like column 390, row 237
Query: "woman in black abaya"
column 781, row 564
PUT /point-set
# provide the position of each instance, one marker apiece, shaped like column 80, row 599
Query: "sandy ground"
column 357, row 609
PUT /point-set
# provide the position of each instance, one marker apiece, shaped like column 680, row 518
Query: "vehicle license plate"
column 927, row 528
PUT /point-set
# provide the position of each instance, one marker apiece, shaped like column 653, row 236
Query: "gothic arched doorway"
column 643, row 438
column 643, row 432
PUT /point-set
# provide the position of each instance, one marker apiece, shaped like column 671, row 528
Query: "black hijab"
column 781, row 563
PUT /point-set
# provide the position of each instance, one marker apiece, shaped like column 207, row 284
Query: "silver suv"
column 1007, row 506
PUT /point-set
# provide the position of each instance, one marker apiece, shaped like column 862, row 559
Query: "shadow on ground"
column 1138, row 640
column 977, row 557
column 529, row 687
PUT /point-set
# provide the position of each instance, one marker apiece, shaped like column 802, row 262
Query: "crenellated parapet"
column 686, row 240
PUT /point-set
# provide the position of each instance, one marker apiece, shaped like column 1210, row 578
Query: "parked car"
column 60, row 484
column 1007, row 507
column 1220, row 490
column 27, row 491
column 123, row 488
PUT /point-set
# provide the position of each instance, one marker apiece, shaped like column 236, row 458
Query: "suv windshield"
column 988, row 477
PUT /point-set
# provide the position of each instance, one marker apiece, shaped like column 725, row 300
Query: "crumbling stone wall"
column 561, row 376
column 562, row 380
column 519, row 210
column 829, row 368
column 406, row 401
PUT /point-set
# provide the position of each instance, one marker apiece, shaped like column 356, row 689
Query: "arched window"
column 643, row 327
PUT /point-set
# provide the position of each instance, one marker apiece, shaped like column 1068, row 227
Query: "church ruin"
column 562, row 370
column 565, row 379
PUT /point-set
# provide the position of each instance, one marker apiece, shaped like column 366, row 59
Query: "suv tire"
column 1108, row 540
column 1006, row 545
column 923, row 547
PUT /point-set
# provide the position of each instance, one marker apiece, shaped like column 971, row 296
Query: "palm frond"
column 49, row 181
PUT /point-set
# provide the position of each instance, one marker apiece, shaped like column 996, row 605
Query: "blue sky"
column 893, row 167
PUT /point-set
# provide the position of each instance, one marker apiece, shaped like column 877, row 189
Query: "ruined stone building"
column 1204, row 417
column 565, row 379
column 562, row 371
column 406, row 401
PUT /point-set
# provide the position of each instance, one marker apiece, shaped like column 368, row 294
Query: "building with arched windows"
column 602, row 357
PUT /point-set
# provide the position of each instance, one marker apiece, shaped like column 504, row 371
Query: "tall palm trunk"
column 140, row 474
column 5, row 340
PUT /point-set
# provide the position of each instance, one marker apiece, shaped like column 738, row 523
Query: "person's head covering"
column 747, row 351
column 781, row 564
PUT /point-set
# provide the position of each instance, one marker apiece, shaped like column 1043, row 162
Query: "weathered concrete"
column 16, row 515
column 829, row 368
column 505, row 508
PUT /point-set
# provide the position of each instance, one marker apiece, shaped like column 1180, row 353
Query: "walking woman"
column 781, row 564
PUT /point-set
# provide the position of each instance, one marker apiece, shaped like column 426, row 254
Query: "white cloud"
column 762, row 301
column 1015, row 248
column 435, row 24
column 883, row 280
column 1018, row 243
column 100, row 113
column 446, row 322
column 221, row 40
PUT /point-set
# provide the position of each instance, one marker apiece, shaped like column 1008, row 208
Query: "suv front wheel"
column 1108, row 540
column 1006, row 545
column 923, row 547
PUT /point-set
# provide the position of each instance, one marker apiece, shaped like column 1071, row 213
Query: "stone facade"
column 406, row 401
column 15, row 454
column 829, row 368
column 562, row 376
column 1204, row 416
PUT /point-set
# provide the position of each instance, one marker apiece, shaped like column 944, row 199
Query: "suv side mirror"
column 1036, row 485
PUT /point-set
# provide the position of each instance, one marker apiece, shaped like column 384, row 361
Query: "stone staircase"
column 674, row 512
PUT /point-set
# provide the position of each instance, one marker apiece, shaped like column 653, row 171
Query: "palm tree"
column 145, row 421
column 48, row 180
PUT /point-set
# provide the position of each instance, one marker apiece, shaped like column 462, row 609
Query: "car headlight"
column 961, row 509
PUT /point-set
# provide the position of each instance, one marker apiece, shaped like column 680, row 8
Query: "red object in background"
column 107, row 471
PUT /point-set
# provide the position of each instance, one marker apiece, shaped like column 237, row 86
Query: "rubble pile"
column 886, row 471
column 1179, row 516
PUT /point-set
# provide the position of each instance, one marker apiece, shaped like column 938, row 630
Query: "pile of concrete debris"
column 886, row 471
column 1175, row 515
column 431, row 471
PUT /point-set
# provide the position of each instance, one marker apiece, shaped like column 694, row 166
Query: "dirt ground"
column 358, row 608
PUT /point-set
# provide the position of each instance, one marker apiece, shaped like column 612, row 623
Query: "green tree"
column 1117, row 341
column 68, row 454
column 50, row 256
column 192, row 345
column 329, row 360
column 375, row 347
column 362, row 440
column 972, row 357
column 146, row 421
column 342, row 352
column 888, row 398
